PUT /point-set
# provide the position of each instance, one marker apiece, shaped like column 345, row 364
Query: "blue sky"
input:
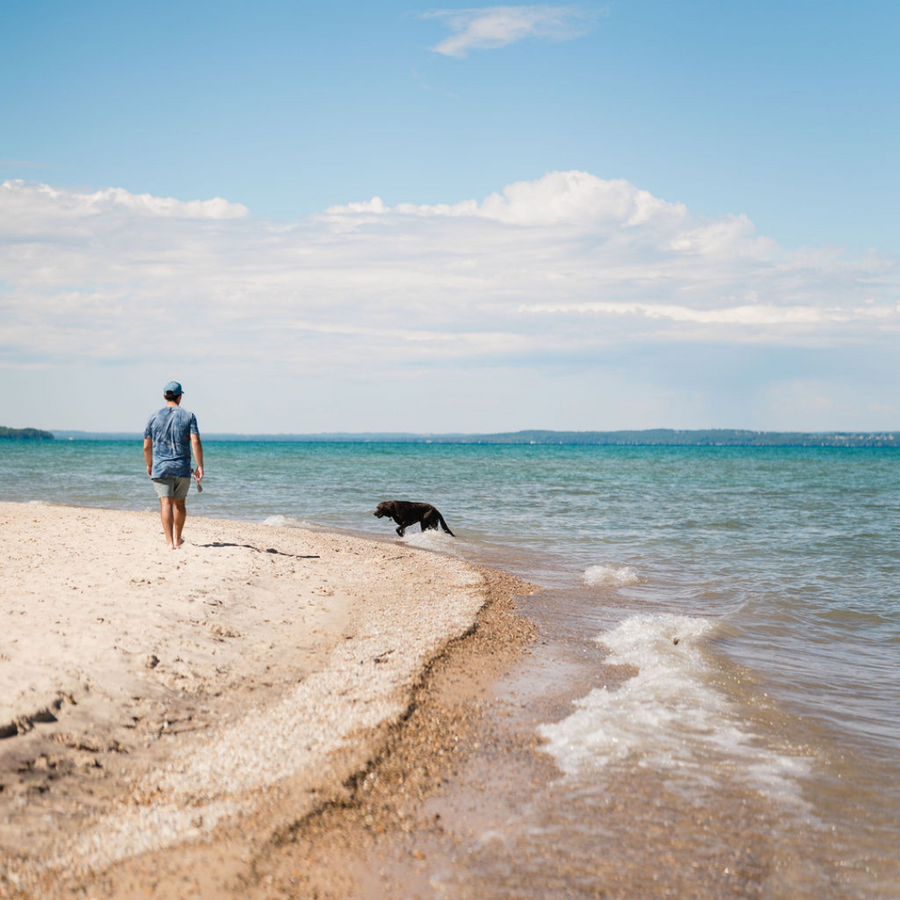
column 693, row 225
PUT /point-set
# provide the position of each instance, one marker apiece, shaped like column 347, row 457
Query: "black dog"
column 405, row 513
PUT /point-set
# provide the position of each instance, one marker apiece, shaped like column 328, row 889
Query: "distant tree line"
column 24, row 434
column 717, row 437
column 654, row 437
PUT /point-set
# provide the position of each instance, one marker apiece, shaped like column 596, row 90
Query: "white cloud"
column 761, row 315
column 542, row 276
column 26, row 202
column 574, row 199
column 498, row 26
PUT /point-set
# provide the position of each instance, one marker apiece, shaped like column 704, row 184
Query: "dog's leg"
column 400, row 530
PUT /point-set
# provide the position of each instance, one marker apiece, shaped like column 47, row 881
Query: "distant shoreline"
column 656, row 437
column 24, row 434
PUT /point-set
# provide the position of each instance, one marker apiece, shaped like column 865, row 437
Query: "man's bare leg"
column 179, row 514
column 166, row 514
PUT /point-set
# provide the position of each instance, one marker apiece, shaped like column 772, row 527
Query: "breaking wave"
column 287, row 522
column 673, row 714
column 610, row 576
column 430, row 540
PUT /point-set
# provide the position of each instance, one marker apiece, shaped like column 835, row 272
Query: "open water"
column 722, row 624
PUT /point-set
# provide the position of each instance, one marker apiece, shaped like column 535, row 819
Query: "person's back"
column 170, row 430
column 170, row 436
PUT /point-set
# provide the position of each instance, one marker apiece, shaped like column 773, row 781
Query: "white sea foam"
column 671, row 715
column 287, row 522
column 430, row 540
column 611, row 576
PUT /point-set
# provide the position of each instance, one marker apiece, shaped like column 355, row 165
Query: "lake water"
column 748, row 599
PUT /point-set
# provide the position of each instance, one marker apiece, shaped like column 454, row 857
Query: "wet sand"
column 226, row 719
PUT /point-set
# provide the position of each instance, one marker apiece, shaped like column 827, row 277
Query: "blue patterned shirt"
column 170, row 429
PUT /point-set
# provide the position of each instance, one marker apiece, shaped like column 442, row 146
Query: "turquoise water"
column 775, row 569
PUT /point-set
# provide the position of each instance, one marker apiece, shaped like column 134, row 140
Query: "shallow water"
column 750, row 597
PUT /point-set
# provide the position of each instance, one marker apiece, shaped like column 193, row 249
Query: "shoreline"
column 435, row 784
column 270, row 667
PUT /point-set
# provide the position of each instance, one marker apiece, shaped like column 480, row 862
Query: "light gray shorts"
column 176, row 488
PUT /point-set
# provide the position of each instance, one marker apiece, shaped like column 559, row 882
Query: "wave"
column 610, row 576
column 430, row 540
column 672, row 715
column 287, row 522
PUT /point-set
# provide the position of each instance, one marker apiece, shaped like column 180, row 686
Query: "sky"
column 398, row 217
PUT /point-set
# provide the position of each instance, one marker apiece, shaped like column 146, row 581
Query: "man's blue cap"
column 173, row 387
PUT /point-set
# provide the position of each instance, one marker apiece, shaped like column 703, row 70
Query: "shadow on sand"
column 257, row 549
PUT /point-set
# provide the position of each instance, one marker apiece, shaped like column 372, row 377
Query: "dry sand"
column 170, row 717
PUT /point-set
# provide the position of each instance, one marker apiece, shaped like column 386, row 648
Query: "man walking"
column 169, row 437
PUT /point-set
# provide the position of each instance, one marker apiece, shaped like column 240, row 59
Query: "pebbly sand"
column 233, row 718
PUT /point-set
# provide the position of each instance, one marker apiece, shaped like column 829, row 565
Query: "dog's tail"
column 444, row 525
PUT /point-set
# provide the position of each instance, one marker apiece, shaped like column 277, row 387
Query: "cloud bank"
column 498, row 26
column 569, row 270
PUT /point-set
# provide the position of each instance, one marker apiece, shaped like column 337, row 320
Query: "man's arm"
column 148, row 454
column 197, row 447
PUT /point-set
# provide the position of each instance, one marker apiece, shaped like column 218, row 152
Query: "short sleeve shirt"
column 170, row 429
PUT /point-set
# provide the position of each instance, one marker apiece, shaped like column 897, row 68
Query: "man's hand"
column 197, row 450
column 148, row 454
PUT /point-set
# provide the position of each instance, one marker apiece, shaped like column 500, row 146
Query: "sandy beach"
column 168, row 719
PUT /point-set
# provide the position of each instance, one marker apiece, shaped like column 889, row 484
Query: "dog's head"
column 384, row 509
